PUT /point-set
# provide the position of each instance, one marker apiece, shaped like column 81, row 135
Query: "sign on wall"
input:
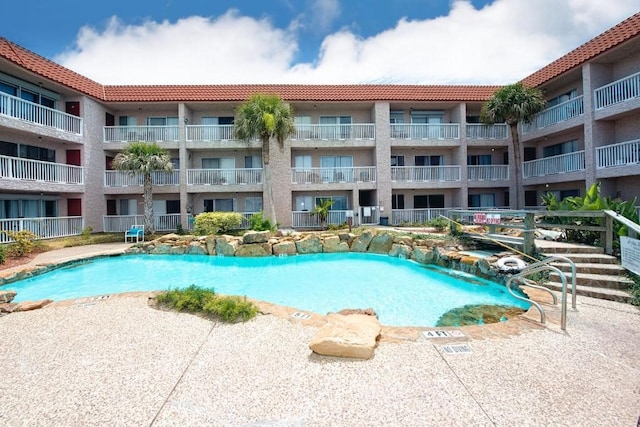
column 630, row 254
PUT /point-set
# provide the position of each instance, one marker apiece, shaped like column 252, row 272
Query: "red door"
column 74, row 207
column 73, row 107
column 73, row 157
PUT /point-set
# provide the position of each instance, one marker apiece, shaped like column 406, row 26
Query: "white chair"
column 135, row 232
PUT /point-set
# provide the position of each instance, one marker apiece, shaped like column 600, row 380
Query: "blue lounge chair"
column 135, row 232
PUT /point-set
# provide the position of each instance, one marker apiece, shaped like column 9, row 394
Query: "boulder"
column 210, row 244
column 7, row 296
column 225, row 246
column 255, row 237
column 162, row 249
column 284, row 248
column 400, row 251
column 310, row 244
column 361, row 242
column 334, row 244
column 178, row 250
column 195, row 248
column 422, row 255
column 254, row 249
column 366, row 311
column 32, row 305
column 353, row 335
column 381, row 243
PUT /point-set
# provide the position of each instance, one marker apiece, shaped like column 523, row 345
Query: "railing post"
column 608, row 234
column 529, row 233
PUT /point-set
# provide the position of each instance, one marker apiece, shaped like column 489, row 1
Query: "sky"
column 308, row 41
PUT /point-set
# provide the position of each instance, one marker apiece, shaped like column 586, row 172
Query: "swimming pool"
column 402, row 292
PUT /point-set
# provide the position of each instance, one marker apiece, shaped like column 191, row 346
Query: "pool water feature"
column 402, row 292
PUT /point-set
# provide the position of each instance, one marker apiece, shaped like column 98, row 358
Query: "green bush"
column 86, row 232
column 231, row 308
column 258, row 222
column 192, row 298
column 3, row 257
column 24, row 242
column 208, row 223
column 439, row 223
column 635, row 289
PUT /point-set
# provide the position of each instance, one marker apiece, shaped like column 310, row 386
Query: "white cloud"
column 500, row 43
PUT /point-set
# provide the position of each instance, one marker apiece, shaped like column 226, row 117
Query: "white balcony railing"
column 141, row 133
column 488, row 173
column 43, row 228
column 161, row 222
column 416, row 216
column 425, row 173
column 36, row 170
column 553, row 165
column 305, row 219
column 556, row 114
column 482, row 131
column 35, row 113
column 333, row 175
column 335, row 132
column 206, row 133
column 135, row 179
column 618, row 91
column 624, row 153
column 425, row 131
column 224, row 176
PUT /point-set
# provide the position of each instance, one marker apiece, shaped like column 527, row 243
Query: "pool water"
column 402, row 292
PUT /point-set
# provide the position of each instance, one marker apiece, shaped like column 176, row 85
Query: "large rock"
column 334, row 244
column 225, row 246
column 210, row 244
column 400, row 251
column 381, row 243
column 310, row 244
column 353, row 335
column 162, row 249
column 361, row 242
column 255, row 237
column 7, row 296
column 284, row 248
column 254, row 249
column 32, row 305
column 422, row 255
column 195, row 248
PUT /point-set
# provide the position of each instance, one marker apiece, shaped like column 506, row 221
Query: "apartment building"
column 397, row 154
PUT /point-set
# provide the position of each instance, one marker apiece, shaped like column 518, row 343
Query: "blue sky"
column 308, row 41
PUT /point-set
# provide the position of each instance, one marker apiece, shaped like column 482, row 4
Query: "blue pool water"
column 402, row 292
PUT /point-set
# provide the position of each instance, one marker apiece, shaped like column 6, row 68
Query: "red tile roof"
column 611, row 38
column 30, row 61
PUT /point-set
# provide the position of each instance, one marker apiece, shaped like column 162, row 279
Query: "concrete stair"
column 597, row 275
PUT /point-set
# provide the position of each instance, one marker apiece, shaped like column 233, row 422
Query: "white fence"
column 618, row 91
column 210, row 133
column 425, row 173
column 335, row 132
column 36, row 170
column 332, row 175
column 416, row 216
column 482, row 131
column 224, row 176
column 563, row 163
column 624, row 153
column 121, row 223
column 305, row 219
column 135, row 179
column 43, row 228
column 488, row 173
column 35, row 113
column 141, row 133
column 425, row 131
column 556, row 114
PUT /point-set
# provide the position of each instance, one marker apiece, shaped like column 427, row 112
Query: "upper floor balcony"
column 616, row 92
column 556, row 114
column 169, row 133
column 425, row 173
column 621, row 154
column 117, row 178
column 425, row 131
column 36, row 170
column 241, row 176
column 335, row 132
column 563, row 163
column 333, row 175
column 488, row 173
column 17, row 108
column 483, row 131
column 207, row 133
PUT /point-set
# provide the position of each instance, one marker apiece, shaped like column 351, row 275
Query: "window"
column 173, row 206
column 562, row 98
column 9, row 89
column 37, row 153
column 428, row 201
column 218, row 163
column 303, row 127
column 473, row 119
column 428, row 160
column 8, row 149
column 481, row 200
column 397, row 201
column 434, row 118
column 558, row 149
column 128, row 207
column 253, row 204
column 335, row 127
column 252, row 162
column 337, row 168
column 480, row 159
column 397, row 160
column 339, row 202
column 219, row 205
column 304, row 203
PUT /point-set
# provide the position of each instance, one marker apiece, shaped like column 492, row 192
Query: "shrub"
column 86, row 232
column 24, row 242
column 231, row 308
column 439, row 223
column 192, row 298
column 635, row 289
column 180, row 230
column 3, row 257
column 258, row 222
column 208, row 223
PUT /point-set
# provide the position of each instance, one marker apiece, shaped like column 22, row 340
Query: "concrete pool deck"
column 118, row 361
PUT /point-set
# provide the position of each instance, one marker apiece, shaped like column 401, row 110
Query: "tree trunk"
column 268, row 186
column 517, row 160
column 148, row 205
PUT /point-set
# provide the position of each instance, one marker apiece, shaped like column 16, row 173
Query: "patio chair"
column 135, row 232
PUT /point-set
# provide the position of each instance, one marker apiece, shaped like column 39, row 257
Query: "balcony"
column 425, row 131
column 488, row 173
column 564, row 163
column 161, row 222
column 224, row 176
column 482, row 131
column 36, row 170
column 556, row 114
column 425, row 173
column 417, row 216
column 305, row 219
column 618, row 91
column 135, row 179
column 622, row 154
column 43, row 228
column 342, row 132
column 333, row 175
column 17, row 108
column 141, row 133
column 207, row 133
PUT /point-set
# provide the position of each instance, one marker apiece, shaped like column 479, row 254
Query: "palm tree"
column 513, row 104
column 265, row 117
column 322, row 211
column 144, row 158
